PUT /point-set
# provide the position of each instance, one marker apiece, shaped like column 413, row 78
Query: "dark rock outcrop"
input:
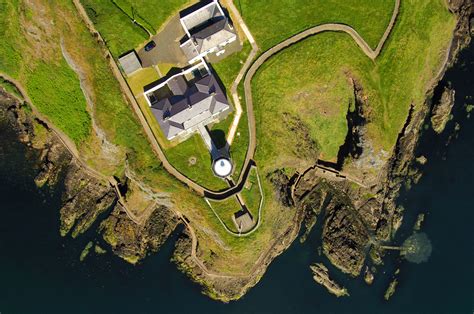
column 442, row 110
column 134, row 242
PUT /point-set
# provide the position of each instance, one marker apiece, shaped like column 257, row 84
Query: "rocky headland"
column 357, row 216
column 86, row 197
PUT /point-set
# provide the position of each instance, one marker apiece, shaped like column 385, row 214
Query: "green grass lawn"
column 151, row 13
column 226, row 209
column 273, row 21
column 251, row 194
column 201, row 172
column 118, row 31
column 228, row 68
column 114, row 21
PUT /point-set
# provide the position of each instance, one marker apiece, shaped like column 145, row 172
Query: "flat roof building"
column 130, row 62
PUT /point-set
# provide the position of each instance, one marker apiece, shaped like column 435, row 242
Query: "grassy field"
column 120, row 34
column 113, row 19
column 251, row 194
column 273, row 21
column 228, row 68
column 303, row 93
column 151, row 13
column 10, row 49
column 51, row 95
column 48, row 94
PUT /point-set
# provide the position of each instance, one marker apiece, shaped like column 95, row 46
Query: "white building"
column 207, row 29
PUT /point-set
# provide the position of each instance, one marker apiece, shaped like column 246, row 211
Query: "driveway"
column 167, row 46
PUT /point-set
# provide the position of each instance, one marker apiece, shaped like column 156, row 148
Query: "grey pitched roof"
column 207, row 38
column 130, row 62
column 177, row 85
column 197, row 14
column 182, row 111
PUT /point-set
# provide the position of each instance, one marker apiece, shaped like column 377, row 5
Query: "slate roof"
column 208, row 28
column 199, row 13
column 184, row 110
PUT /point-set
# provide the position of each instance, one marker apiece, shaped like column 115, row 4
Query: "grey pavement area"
column 167, row 48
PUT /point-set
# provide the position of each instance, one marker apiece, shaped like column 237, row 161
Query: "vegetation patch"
column 201, row 169
column 118, row 31
column 151, row 13
column 60, row 99
column 10, row 88
column 312, row 81
column 251, row 193
column 274, row 21
column 115, row 20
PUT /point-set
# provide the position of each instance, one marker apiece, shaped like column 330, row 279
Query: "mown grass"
column 251, row 194
column 142, row 78
column 201, row 172
column 273, row 21
column 228, row 68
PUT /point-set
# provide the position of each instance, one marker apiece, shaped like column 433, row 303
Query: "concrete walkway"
column 236, row 17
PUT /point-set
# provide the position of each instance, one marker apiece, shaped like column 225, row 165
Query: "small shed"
column 243, row 220
column 130, row 62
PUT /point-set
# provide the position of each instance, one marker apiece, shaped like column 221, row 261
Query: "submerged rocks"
column 442, row 111
column 391, row 289
column 368, row 276
column 321, row 276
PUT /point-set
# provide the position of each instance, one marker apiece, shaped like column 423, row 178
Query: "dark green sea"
column 40, row 272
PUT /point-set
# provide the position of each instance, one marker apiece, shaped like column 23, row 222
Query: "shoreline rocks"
column 321, row 276
column 441, row 113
